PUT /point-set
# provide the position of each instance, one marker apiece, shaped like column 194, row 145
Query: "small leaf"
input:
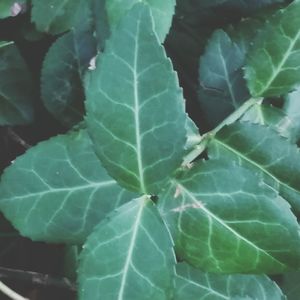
column 16, row 87
column 136, row 119
column 63, row 68
column 162, row 12
column 274, row 117
column 56, row 16
column 222, row 86
column 264, row 152
column 272, row 68
column 193, row 284
column 128, row 256
column 224, row 219
column 58, row 191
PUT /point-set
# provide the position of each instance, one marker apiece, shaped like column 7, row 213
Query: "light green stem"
column 198, row 149
column 10, row 293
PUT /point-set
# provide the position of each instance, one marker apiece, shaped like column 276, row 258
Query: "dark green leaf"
column 290, row 285
column 16, row 87
column 272, row 68
column 11, row 8
column 263, row 151
column 132, row 113
column 222, row 86
column 129, row 256
column 63, row 69
column 58, row 191
column 274, row 117
column 57, row 16
column 162, row 12
column 224, row 219
column 192, row 284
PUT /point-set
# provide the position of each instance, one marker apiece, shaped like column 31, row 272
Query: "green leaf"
column 193, row 284
column 162, row 11
column 290, row 285
column 264, row 152
column 222, row 86
column 63, row 68
column 193, row 135
column 134, row 107
column 224, row 219
column 128, row 256
column 272, row 68
column 58, row 191
column 16, row 87
column 274, row 117
column 292, row 108
column 57, row 16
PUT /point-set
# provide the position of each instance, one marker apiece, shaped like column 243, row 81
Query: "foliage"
column 155, row 209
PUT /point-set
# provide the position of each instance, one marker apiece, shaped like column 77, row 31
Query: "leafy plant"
column 157, row 210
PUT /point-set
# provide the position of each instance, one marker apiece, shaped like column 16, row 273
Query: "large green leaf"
column 222, row 86
column 162, row 13
column 192, row 284
column 224, row 219
column 58, row 191
column 63, row 69
column 16, row 87
column 272, row 68
column 57, row 16
column 135, row 107
column 263, row 151
column 129, row 256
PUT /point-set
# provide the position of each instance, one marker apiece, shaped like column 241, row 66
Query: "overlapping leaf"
column 263, row 151
column 129, row 256
column 274, row 117
column 193, row 135
column 57, row 16
column 10, row 8
column 132, row 114
column 58, row 191
column 193, row 284
column 224, row 219
column 16, row 87
column 62, row 72
column 162, row 13
column 272, row 68
column 290, row 285
column 222, row 86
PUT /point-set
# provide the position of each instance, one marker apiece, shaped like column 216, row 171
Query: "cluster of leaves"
column 127, row 183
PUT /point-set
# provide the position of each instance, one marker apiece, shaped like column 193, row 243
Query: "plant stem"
column 10, row 293
column 198, row 149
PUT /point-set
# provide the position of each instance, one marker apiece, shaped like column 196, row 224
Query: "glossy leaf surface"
column 58, row 191
column 162, row 12
column 129, row 256
column 272, row 68
column 131, row 112
column 263, row 151
column 225, row 220
column 193, row 284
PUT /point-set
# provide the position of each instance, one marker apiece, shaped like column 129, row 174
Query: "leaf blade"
column 58, row 191
column 138, row 118
column 131, row 232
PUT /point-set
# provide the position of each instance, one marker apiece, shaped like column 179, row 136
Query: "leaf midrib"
column 281, row 64
column 130, row 250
